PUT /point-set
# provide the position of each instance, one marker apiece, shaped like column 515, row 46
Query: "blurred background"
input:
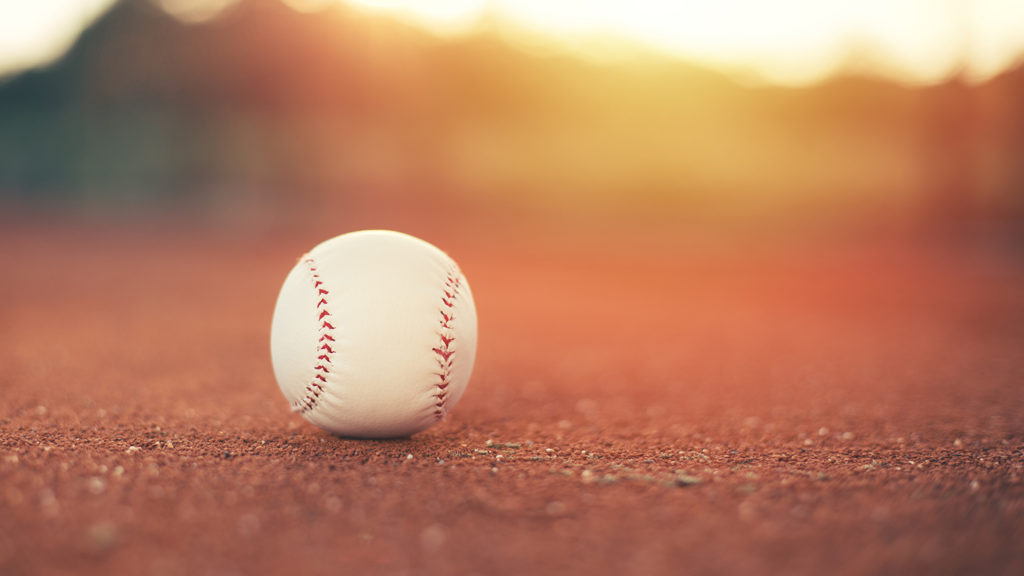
column 743, row 114
column 752, row 241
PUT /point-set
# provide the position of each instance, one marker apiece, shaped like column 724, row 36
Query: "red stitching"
column 314, row 389
column 444, row 352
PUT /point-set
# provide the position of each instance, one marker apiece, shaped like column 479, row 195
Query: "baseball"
column 374, row 335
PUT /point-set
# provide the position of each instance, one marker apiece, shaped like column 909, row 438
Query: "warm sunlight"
column 787, row 41
column 33, row 33
column 790, row 41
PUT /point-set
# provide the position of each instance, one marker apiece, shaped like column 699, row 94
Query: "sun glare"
column 789, row 41
column 33, row 33
column 195, row 11
column 441, row 16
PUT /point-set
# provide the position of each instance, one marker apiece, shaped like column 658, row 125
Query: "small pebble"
column 96, row 485
column 555, row 508
column 101, row 537
column 48, row 503
column 687, row 480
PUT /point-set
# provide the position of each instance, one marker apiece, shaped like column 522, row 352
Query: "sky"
column 793, row 42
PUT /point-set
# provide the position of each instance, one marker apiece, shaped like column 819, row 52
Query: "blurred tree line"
column 265, row 104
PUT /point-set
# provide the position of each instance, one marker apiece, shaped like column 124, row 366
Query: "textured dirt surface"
column 642, row 404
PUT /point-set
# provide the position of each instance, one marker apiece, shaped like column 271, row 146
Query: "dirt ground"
column 642, row 403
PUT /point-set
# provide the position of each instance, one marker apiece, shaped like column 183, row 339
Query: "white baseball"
column 374, row 335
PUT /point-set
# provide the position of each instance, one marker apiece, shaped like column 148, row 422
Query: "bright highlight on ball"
column 374, row 335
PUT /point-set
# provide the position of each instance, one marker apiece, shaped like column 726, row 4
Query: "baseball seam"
column 324, row 349
column 444, row 351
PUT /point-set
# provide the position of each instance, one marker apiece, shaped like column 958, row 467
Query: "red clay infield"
column 641, row 405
